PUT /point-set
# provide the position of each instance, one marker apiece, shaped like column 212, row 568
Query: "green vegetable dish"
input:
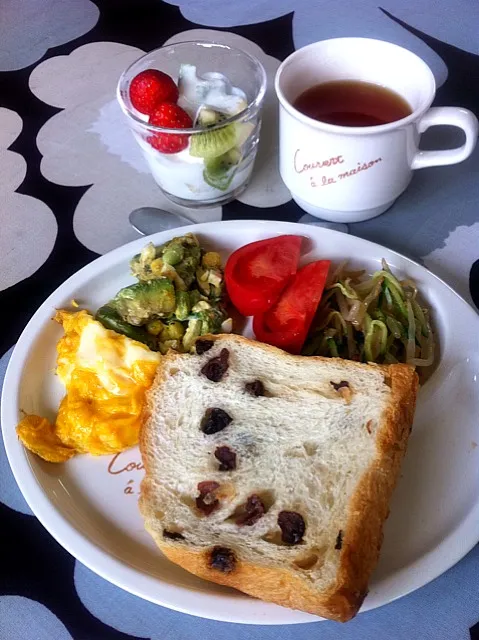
column 178, row 297
column 376, row 319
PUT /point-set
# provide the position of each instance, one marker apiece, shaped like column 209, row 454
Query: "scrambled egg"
column 38, row 435
column 105, row 375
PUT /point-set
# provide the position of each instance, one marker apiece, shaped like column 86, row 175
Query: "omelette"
column 105, row 375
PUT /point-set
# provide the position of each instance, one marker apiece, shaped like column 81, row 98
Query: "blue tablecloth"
column 69, row 175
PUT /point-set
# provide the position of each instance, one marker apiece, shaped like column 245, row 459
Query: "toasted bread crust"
column 362, row 537
column 280, row 586
column 369, row 506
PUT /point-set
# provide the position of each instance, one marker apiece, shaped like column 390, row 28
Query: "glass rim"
column 254, row 104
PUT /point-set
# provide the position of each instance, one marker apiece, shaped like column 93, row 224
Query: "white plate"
column 90, row 504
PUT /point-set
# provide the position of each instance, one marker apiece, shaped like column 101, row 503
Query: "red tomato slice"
column 287, row 323
column 256, row 274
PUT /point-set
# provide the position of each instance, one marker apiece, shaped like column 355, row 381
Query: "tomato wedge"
column 287, row 323
column 256, row 274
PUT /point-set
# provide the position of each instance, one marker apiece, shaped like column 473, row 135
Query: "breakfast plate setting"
column 268, row 418
column 90, row 503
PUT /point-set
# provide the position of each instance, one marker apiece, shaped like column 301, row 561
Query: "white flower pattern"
column 29, row 28
column 24, row 618
column 10, row 494
column 29, row 228
column 435, row 611
column 89, row 143
column 453, row 260
column 322, row 19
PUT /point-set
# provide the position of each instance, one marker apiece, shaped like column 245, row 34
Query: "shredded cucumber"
column 372, row 319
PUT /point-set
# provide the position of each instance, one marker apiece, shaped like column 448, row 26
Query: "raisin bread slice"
column 272, row 473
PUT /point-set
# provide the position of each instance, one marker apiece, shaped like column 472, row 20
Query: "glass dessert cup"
column 222, row 89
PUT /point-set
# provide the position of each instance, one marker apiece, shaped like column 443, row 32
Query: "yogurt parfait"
column 195, row 110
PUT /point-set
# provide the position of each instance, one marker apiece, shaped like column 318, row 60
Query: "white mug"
column 349, row 174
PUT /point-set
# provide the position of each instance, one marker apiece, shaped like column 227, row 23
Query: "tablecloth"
column 69, row 175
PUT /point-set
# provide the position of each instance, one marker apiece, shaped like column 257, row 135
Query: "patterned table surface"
column 69, row 175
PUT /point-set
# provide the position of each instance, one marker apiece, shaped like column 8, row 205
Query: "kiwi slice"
column 209, row 117
column 212, row 144
column 220, row 171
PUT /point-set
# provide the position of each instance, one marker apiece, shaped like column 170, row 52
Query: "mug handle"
column 456, row 117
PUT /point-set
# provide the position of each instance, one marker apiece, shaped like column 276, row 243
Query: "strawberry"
column 169, row 116
column 151, row 87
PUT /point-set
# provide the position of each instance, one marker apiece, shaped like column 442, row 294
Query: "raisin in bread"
column 272, row 473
